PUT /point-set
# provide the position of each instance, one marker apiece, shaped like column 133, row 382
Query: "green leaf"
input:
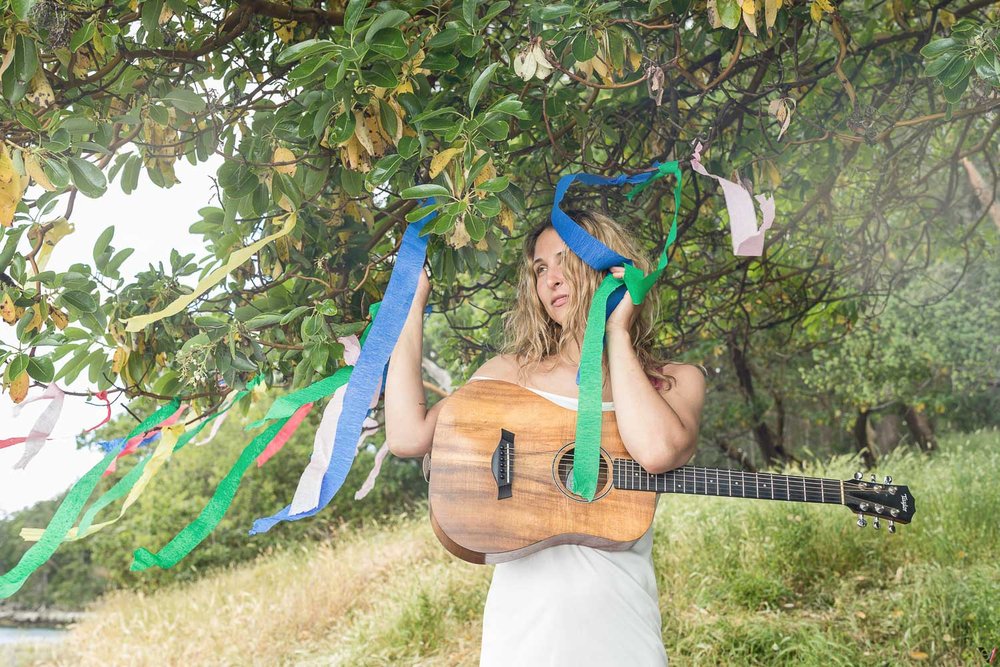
column 729, row 12
column 584, row 46
column 294, row 314
column 480, row 85
column 353, row 14
column 938, row 65
column 81, row 36
column 382, row 76
column 390, row 43
column 420, row 213
column 185, row 100
column 115, row 263
column 309, row 47
column 469, row 12
column 384, row 169
column 342, row 129
column 446, row 37
column 497, row 184
column 10, row 247
column 103, row 241
column 389, row 19
column 476, row 227
column 551, row 12
column 17, row 365
column 425, row 190
column 41, row 369
column 87, row 177
column 939, row 47
column 21, row 8
column 353, row 182
column 81, row 301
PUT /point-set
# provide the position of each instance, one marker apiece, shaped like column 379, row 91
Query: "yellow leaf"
column 282, row 154
column 506, row 219
column 119, row 360
column 34, row 169
column 749, row 19
column 946, row 18
column 10, row 189
column 771, row 8
column 60, row 227
column 19, row 387
column 37, row 320
column 361, row 133
column 441, row 160
column 7, row 310
column 59, row 318
column 773, row 175
column 40, row 93
column 918, row 655
column 748, row 7
column 459, row 237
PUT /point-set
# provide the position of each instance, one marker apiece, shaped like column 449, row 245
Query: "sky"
column 152, row 220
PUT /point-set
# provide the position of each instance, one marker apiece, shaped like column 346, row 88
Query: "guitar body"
column 479, row 521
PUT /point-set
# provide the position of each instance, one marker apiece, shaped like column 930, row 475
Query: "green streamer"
column 196, row 531
column 587, row 450
column 70, row 508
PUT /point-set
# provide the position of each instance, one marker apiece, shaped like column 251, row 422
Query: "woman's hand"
column 423, row 288
column 626, row 311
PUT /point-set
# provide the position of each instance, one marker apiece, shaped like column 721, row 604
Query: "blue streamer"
column 368, row 370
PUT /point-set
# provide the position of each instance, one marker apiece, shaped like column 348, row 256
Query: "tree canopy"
column 857, row 115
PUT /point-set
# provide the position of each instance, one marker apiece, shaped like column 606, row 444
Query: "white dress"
column 574, row 605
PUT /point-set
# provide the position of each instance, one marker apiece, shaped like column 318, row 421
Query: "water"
column 30, row 635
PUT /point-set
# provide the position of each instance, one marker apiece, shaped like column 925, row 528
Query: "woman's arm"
column 409, row 425
column 659, row 429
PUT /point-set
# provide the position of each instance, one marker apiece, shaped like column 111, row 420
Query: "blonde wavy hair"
column 532, row 337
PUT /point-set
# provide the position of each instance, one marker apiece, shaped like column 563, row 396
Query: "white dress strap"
column 560, row 400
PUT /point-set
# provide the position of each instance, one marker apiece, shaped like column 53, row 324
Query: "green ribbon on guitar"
column 586, row 454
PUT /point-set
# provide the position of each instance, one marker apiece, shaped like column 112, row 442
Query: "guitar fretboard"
column 630, row 475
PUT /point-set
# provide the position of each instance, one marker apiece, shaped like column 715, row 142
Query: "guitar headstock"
column 882, row 500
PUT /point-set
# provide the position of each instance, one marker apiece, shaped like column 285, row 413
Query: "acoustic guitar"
column 502, row 463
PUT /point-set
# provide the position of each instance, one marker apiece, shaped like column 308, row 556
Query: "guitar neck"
column 629, row 475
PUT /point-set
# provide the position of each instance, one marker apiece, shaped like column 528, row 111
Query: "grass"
column 741, row 582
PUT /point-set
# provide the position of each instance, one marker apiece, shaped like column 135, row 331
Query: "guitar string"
column 696, row 473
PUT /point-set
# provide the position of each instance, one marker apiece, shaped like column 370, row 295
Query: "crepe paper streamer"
column 748, row 240
column 117, row 444
column 243, row 254
column 101, row 396
column 309, row 490
column 67, row 513
column 284, row 434
column 373, row 475
column 125, row 485
column 148, row 468
column 195, row 532
column 371, row 367
column 43, row 426
column 586, row 453
column 133, row 443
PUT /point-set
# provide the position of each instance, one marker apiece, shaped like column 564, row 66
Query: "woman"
column 568, row 604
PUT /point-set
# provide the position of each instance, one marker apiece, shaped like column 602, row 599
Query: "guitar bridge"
column 502, row 464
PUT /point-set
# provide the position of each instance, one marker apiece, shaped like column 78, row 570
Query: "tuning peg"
column 858, row 476
column 874, row 481
column 888, row 479
column 875, row 524
column 861, row 520
column 892, row 526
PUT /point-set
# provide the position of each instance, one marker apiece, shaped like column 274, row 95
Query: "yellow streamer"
column 243, row 254
column 164, row 449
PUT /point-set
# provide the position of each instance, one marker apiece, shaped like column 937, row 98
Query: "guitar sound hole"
column 563, row 471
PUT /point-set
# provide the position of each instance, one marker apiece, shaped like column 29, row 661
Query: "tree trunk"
column 888, row 432
column 770, row 446
column 861, row 438
column 920, row 428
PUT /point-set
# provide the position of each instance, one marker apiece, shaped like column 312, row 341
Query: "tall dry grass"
column 741, row 583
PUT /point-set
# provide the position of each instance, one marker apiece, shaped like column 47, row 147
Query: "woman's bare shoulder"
column 687, row 376
column 500, row 367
